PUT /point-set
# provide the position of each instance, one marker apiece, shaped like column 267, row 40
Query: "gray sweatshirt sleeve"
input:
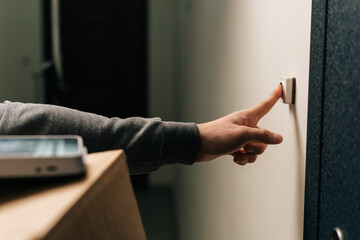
column 148, row 143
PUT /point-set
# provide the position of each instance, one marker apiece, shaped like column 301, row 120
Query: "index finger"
column 262, row 108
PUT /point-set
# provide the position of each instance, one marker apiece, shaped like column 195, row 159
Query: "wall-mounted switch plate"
column 288, row 89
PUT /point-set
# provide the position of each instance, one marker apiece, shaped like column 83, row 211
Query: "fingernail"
column 246, row 159
column 278, row 138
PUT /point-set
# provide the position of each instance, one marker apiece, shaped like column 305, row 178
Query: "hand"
column 237, row 134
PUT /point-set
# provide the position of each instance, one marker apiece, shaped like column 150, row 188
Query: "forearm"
column 148, row 143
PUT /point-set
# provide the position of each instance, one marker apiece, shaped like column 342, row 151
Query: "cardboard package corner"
column 101, row 205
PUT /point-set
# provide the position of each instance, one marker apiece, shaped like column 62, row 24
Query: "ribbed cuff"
column 181, row 143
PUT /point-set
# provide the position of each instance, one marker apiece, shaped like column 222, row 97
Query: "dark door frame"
column 315, row 119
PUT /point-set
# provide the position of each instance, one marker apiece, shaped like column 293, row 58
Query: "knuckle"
column 253, row 158
column 246, row 120
column 266, row 135
column 266, row 104
column 260, row 150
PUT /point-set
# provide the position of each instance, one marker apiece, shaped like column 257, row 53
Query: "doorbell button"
column 288, row 89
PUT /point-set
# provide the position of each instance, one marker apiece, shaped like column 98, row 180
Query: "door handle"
column 337, row 234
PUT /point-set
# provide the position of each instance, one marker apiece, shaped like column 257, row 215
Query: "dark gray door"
column 332, row 196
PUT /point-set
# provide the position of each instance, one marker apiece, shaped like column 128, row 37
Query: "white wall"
column 20, row 51
column 232, row 54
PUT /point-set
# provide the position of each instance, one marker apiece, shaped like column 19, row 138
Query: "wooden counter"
column 100, row 205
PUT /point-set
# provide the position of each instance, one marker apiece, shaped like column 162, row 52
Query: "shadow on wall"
column 300, row 156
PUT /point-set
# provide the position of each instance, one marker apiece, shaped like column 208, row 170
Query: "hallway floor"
column 157, row 210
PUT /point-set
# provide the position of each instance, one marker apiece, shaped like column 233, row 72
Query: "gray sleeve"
column 148, row 143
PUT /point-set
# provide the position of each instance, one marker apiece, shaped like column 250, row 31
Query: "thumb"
column 262, row 135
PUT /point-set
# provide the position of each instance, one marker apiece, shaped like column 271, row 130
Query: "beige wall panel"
column 232, row 54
